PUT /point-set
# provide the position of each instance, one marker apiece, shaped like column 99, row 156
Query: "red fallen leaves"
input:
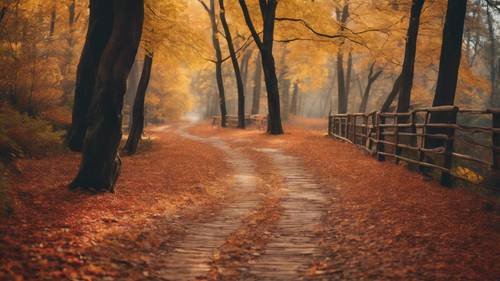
column 385, row 222
column 51, row 227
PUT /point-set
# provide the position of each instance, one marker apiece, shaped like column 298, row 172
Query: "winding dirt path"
column 191, row 257
column 295, row 243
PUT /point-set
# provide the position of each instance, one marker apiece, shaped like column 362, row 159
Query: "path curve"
column 295, row 243
column 191, row 257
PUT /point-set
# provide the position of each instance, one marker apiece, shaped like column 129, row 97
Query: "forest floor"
column 206, row 203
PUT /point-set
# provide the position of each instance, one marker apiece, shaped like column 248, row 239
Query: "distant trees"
column 102, row 106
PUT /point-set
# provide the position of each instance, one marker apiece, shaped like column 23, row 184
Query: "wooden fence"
column 467, row 146
column 259, row 121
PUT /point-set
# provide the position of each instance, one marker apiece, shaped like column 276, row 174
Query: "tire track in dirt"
column 190, row 259
column 295, row 243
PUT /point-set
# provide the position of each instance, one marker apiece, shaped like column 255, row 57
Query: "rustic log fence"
column 259, row 121
column 412, row 137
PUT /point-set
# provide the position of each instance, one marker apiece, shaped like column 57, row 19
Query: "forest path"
column 191, row 258
column 295, row 243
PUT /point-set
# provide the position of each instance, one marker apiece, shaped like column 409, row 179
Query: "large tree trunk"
column 372, row 77
column 98, row 33
column 236, row 67
column 100, row 165
column 274, row 126
column 218, row 64
column 451, row 51
column 137, row 126
column 268, row 13
column 257, row 86
column 409, row 60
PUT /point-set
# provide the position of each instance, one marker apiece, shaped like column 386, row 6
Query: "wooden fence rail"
column 450, row 147
column 259, row 121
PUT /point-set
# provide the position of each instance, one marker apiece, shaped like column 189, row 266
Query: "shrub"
column 22, row 136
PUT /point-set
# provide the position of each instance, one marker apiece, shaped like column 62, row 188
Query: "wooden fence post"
column 397, row 150
column 367, row 132
column 330, row 124
column 354, row 129
column 380, row 137
column 446, row 177
column 494, row 177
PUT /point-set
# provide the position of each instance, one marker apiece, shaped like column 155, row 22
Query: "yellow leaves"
column 468, row 174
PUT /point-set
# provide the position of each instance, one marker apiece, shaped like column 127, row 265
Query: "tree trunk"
column 137, row 126
column 98, row 33
column 451, row 51
column 392, row 95
column 342, row 99
column 409, row 60
column 100, row 165
column 257, row 86
column 236, row 67
column 342, row 84
column 372, row 77
column 268, row 13
column 244, row 68
column 295, row 99
column 348, row 78
column 218, row 65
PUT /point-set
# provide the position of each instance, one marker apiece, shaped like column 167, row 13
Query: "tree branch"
column 248, row 20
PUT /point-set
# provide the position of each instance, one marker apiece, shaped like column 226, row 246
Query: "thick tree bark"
column 268, row 13
column 98, row 33
column 295, row 99
column 409, row 60
column 236, row 66
column 218, row 64
column 100, row 165
column 137, row 127
column 451, row 51
column 257, row 86
column 372, row 77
